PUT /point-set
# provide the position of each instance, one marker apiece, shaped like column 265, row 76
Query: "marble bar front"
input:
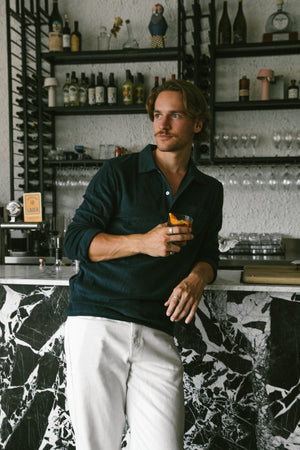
column 240, row 355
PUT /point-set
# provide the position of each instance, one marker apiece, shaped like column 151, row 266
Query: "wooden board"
column 271, row 274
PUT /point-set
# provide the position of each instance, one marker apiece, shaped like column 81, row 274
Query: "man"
column 137, row 277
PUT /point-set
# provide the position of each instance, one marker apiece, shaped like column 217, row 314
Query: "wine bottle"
column 76, row 38
column 244, row 89
column 83, row 87
column 224, row 30
column 66, row 90
column 100, row 90
column 91, row 91
column 139, row 90
column 127, row 89
column 55, row 29
column 240, row 26
column 156, row 83
column 73, row 90
column 112, row 91
column 66, row 35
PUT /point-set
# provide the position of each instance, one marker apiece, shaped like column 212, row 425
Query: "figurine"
column 158, row 27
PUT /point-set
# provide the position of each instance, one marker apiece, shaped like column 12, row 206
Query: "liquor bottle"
column 127, row 89
column 244, row 89
column 55, row 29
column 224, row 30
column 293, row 91
column 83, row 87
column 155, row 82
column 73, row 90
column 100, row 90
column 112, row 91
column 173, row 76
column 139, row 90
column 280, row 21
column 91, row 91
column 240, row 26
column 163, row 80
column 66, row 90
column 66, row 39
column 76, row 38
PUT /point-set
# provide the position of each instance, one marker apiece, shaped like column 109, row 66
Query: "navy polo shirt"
column 128, row 195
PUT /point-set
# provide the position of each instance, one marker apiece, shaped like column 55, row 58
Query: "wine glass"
column 253, row 140
column 273, row 179
column 297, row 179
column 234, row 141
column 276, row 141
column 288, row 139
column 225, row 141
column 244, row 141
column 298, row 140
column 286, row 179
column 246, row 180
column 233, row 181
column 259, row 180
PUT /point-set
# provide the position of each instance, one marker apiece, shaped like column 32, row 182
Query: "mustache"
column 165, row 133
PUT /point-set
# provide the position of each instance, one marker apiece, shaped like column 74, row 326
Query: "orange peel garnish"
column 174, row 221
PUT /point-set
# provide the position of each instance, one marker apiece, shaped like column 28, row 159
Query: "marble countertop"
column 59, row 276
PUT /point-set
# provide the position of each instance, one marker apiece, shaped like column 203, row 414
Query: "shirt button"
column 167, row 192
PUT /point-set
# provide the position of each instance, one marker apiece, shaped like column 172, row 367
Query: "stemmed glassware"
column 286, row 179
column 273, row 179
column 233, row 181
column 244, row 141
column 253, row 140
column 288, row 139
column 276, row 141
column 225, row 141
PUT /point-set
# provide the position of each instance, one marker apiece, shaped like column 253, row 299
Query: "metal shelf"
column 257, row 105
column 112, row 56
column 94, row 110
column 263, row 160
column 258, row 49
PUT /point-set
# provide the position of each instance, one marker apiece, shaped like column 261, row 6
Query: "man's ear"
column 198, row 125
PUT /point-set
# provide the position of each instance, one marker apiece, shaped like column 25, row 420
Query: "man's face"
column 173, row 128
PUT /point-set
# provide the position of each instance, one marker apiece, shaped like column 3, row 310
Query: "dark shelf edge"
column 96, row 110
column 204, row 162
column 112, row 56
column 258, row 49
column 256, row 105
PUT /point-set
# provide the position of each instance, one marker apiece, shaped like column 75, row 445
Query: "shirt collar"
column 147, row 164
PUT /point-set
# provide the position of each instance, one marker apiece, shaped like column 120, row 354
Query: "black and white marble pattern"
column 241, row 359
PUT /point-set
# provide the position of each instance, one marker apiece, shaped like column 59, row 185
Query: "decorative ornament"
column 158, row 27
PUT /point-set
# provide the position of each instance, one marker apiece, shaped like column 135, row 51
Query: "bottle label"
column 56, row 25
column 127, row 94
column 293, row 93
column 75, row 43
column 66, row 96
column 92, row 96
column 66, row 41
column 55, row 41
column 111, row 95
column 100, row 95
column 139, row 95
column 73, row 94
column 82, row 96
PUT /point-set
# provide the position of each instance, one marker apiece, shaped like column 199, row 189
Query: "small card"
column 280, row 36
column 32, row 207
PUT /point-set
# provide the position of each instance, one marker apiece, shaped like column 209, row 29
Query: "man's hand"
column 164, row 240
column 186, row 296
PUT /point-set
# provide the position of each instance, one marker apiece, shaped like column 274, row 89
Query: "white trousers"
column 117, row 371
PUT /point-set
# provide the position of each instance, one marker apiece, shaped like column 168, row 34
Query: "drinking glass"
column 276, row 141
column 244, row 141
column 225, row 141
column 253, row 140
column 298, row 140
column 246, row 178
column 273, row 179
column 259, row 180
column 233, row 181
column 235, row 141
column 286, row 179
column 297, row 179
column 288, row 139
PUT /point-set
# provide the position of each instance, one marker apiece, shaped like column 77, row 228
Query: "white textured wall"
column 255, row 207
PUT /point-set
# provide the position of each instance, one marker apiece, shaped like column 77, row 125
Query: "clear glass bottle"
column 131, row 41
column 280, row 21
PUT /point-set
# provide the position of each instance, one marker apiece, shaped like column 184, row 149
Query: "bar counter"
column 240, row 355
